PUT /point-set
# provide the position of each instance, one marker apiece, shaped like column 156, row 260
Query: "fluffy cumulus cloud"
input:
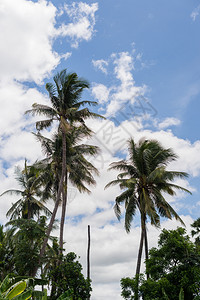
column 101, row 92
column 83, row 22
column 15, row 99
column 27, row 31
column 125, row 90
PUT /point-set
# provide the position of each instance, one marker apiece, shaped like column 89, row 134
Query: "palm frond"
column 117, row 210
column 130, row 212
column 44, row 124
column 12, row 192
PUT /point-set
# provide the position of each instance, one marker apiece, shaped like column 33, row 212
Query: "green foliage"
column 28, row 205
column 143, row 180
column 6, row 254
column 181, row 294
column 196, row 231
column 25, row 238
column 174, row 269
column 21, row 288
column 20, row 246
column 67, row 277
column 130, row 287
column 9, row 291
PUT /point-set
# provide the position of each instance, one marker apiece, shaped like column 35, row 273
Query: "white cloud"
column 66, row 55
column 195, row 13
column 125, row 89
column 100, row 64
column 27, row 29
column 15, row 99
column 168, row 122
column 100, row 92
column 83, row 22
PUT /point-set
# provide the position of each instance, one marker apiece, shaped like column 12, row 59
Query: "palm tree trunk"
column 136, row 296
column 29, row 211
column 146, row 247
column 62, row 221
column 60, row 188
column 140, row 252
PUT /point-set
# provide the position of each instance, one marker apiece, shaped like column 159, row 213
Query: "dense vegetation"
column 174, row 269
column 30, row 255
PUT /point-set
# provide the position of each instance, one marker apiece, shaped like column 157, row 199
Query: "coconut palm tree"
column 67, row 110
column 28, row 205
column 78, row 169
column 144, row 180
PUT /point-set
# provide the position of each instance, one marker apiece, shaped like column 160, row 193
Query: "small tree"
column 67, row 276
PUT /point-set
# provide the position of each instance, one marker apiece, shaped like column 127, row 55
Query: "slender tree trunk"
column 60, row 188
column 136, row 296
column 146, row 247
column 62, row 221
column 88, row 254
column 29, row 211
column 140, row 253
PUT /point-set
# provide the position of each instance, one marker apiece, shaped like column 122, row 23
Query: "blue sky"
column 142, row 61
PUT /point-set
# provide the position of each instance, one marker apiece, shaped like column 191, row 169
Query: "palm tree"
column 28, row 205
column 64, row 95
column 78, row 169
column 143, row 180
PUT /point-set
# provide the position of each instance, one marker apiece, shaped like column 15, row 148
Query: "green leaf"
column 181, row 294
column 44, row 297
column 16, row 289
column 5, row 283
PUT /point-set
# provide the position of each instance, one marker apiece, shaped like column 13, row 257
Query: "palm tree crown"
column 29, row 204
column 65, row 96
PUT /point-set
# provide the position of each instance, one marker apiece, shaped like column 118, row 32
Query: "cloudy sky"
column 142, row 61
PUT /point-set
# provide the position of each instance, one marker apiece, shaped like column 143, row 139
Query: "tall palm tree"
column 28, row 205
column 66, row 109
column 78, row 169
column 143, row 181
